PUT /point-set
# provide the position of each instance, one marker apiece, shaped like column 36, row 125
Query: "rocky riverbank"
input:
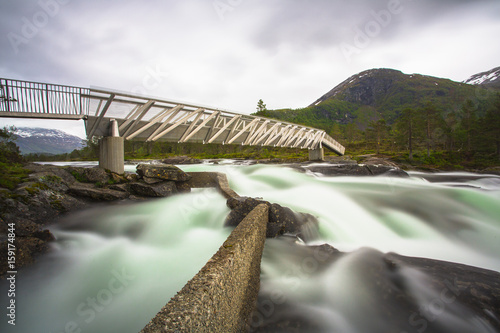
column 400, row 293
column 51, row 192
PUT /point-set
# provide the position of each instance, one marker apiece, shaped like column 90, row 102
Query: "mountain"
column 48, row 141
column 384, row 93
column 490, row 78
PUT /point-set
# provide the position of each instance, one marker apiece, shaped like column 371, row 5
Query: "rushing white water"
column 113, row 268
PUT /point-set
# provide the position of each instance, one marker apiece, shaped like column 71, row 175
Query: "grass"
column 78, row 176
column 12, row 174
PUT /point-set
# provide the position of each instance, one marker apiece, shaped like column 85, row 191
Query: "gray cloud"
column 286, row 52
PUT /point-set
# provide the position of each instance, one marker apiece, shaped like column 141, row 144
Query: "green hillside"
column 384, row 94
column 374, row 110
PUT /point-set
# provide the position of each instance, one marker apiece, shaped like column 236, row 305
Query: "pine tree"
column 261, row 107
column 431, row 118
column 491, row 127
column 379, row 131
column 408, row 126
column 468, row 123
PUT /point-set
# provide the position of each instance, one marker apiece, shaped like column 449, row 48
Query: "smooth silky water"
column 113, row 268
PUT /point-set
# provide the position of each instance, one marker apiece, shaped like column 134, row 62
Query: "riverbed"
column 112, row 268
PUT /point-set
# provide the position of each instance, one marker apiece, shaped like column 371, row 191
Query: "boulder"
column 97, row 194
column 89, row 175
column 24, row 227
column 339, row 169
column 54, row 176
column 386, row 170
column 40, row 170
column 355, row 170
column 281, row 219
column 131, row 177
column 183, row 187
column 163, row 189
column 181, row 160
column 164, row 172
column 149, row 180
column 119, row 187
column 212, row 179
column 398, row 293
column 26, row 249
column 120, row 179
column 44, row 235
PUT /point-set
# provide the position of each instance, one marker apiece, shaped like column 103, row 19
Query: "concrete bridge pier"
column 317, row 154
column 111, row 150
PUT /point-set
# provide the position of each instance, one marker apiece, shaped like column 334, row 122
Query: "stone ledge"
column 212, row 179
column 222, row 296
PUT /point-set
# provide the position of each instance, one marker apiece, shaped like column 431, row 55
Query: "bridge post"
column 111, row 150
column 317, row 154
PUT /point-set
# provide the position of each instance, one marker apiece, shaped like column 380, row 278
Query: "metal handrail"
column 42, row 98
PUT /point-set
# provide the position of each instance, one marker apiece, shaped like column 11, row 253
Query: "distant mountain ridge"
column 384, row 93
column 489, row 78
column 46, row 141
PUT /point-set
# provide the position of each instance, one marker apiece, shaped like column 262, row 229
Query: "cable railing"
column 36, row 98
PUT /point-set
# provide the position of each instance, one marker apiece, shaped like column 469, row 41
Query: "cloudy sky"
column 230, row 53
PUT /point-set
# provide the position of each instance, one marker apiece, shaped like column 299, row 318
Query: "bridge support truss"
column 117, row 116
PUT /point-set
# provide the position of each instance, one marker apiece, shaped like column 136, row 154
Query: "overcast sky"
column 231, row 53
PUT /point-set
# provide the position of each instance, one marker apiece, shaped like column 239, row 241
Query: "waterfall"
column 113, row 267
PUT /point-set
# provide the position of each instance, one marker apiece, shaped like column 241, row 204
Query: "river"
column 114, row 267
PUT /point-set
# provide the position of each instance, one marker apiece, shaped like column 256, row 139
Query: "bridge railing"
column 24, row 98
column 151, row 119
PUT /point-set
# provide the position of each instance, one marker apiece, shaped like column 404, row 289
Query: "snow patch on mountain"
column 49, row 141
column 484, row 77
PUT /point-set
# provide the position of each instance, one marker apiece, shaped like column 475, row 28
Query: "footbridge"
column 116, row 116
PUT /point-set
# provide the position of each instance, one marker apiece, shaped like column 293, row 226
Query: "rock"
column 149, row 180
column 372, row 160
column 327, row 169
column 183, row 187
column 281, row 219
column 398, row 292
column 40, row 170
column 181, row 160
column 119, row 187
column 53, row 176
column 345, row 159
column 89, row 175
column 24, row 227
column 37, row 202
column 163, row 189
column 44, row 235
column 97, row 194
column 131, row 177
column 96, row 175
column 386, row 170
column 212, row 179
column 26, row 188
column 491, row 171
column 26, row 249
column 120, row 179
column 164, row 172
column 339, row 170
